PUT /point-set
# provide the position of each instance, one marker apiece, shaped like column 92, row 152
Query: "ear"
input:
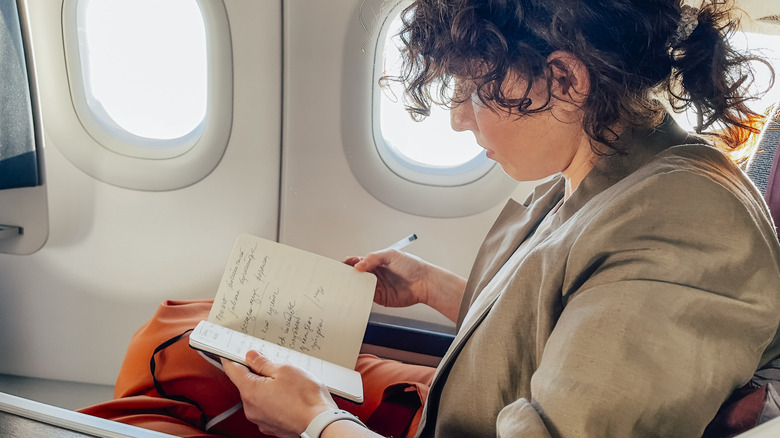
column 570, row 79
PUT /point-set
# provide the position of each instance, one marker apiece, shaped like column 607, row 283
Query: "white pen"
column 403, row 242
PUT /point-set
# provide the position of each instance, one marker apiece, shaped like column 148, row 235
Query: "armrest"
column 407, row 340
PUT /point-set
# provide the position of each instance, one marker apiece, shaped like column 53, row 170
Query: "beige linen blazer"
column 653, row 294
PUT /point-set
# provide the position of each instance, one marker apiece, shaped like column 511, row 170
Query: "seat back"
column 763, row 168
column 757, row 403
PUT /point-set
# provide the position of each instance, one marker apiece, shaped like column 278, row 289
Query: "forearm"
column 445, row 291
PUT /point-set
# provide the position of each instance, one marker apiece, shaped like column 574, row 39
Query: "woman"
column 635, row 288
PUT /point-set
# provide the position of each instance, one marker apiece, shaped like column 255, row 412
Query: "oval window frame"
column 139, row 163
column 429, row 193
column 405, row 167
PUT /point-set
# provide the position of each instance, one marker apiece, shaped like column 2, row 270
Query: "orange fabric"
column 383, row 378
column 154, row 413
column 184, row 372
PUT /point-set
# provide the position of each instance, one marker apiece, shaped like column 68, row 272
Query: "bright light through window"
column 769, row 47
column 430, row 143
column 144, row 65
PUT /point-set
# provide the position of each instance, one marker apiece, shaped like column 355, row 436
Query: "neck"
column 579, row 167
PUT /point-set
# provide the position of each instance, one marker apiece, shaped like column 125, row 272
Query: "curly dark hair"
column 629, row 47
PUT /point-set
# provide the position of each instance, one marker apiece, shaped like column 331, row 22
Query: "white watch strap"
column 324, row 419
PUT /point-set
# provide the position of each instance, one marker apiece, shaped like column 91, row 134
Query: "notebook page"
column 296, row 299
column 234, row 345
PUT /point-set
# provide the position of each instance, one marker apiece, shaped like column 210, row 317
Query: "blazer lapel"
column 514, row 224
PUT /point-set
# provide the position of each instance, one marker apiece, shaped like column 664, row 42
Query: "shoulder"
column 688, row 216
column 698, row 178
column 704, row 161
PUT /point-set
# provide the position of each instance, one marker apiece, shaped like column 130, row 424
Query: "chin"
column 527, row 175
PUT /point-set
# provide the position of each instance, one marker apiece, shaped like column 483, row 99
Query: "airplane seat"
column 18, row 155
column 763, row 167
column 756, row 407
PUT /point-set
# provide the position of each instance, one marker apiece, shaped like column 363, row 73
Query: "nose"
column 462, row 117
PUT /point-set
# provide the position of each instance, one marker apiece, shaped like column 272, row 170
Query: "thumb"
column 256, row 366
column 375, row 259
column 351, row 261
column 260, row 364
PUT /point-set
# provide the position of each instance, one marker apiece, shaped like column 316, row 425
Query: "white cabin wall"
column 324, row 208
column 114, row 254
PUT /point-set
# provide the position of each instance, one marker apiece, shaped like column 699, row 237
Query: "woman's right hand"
column 404, row 280
column 401, row 278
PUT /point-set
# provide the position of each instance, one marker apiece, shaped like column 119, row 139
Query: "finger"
column 362, row 266
column 351, row 261
column 376, row 259
column 237, row 373
column 260, row 364
column 232, row 367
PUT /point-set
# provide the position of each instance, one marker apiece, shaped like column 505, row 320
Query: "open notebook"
column 294, row 307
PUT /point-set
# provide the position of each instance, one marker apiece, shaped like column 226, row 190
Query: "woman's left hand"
column 281, row 399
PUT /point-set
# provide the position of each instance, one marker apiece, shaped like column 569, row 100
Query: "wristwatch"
column 324, row 419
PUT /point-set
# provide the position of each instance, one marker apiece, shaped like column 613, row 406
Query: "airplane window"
column 151, row 85
column 143, row 79
column 768, row 45
column 142, row 75
column 422, row 168
column 431, row 142
column 428, row 152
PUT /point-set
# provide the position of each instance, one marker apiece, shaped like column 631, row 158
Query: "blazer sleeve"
column 671, row 297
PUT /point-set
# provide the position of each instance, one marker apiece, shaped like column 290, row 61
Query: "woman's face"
column 528, row 147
